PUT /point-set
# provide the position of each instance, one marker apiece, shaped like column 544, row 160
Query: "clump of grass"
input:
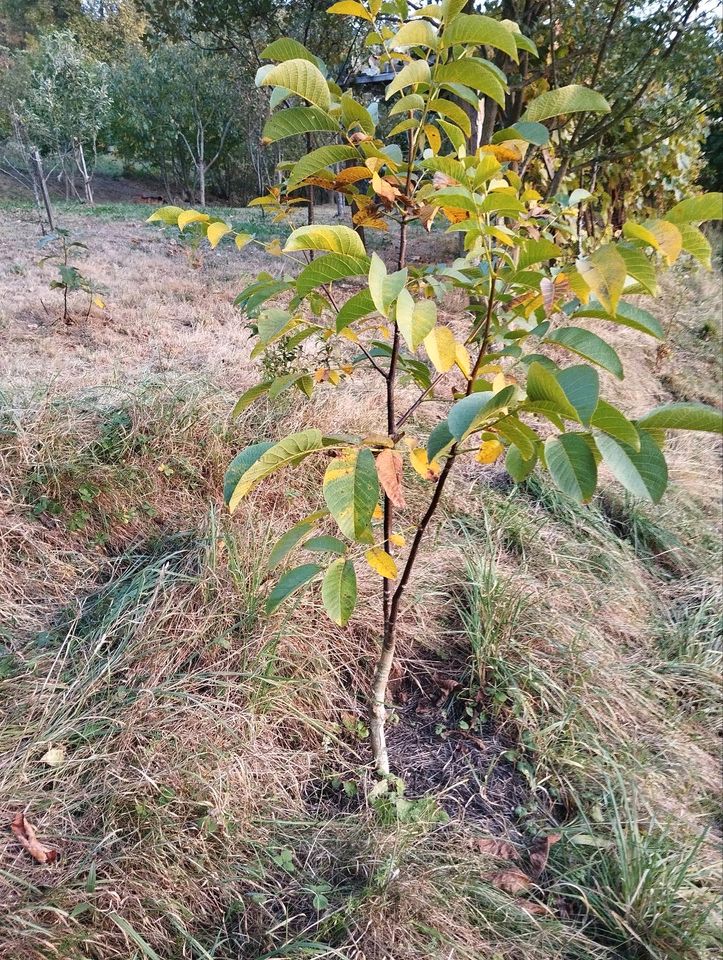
column 638, row 890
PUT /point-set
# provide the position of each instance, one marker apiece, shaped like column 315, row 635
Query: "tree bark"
column 36, row 164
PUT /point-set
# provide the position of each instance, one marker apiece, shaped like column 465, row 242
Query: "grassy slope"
column 559, row 671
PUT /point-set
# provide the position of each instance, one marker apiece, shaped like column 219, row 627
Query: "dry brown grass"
column 201, row 808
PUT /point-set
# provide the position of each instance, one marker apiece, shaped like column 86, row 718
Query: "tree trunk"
column 80, row 162
column 558, row 178
column 202, row 183
column 36, row 164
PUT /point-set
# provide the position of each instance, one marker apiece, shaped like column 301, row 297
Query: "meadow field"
column 202, row 770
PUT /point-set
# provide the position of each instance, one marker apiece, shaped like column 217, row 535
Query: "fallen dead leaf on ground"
column 539, row 853
column 494, row 847
column 533, row 907
column 25, row 833
column 511, row 881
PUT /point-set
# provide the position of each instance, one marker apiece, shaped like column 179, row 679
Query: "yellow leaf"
column 434, row 138
column 502, row 153
column 378, row 513
column 425, row 469
column 381, row 563
column 99, row 302
column 461, row 358
column 499, row 382
column 490, row 451
column 347, row 368
column 441, row 348
column 53, row 757
column 334, row 377
column 242, row 239
column 398, row 539
column 350, row 8
column 274, row 248
column 191, row 216
column 530, row 195
column 216, row 231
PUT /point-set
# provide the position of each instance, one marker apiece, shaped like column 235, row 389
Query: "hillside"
column 203, row 770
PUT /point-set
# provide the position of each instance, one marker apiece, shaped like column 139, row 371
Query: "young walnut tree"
column 497, row 370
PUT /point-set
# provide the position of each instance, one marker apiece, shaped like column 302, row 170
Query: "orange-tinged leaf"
column 398, row 539
column 25, row 833
column 494, row 847
column 489, row 451
column 454, row 214
column 382, row 563
column 502, row 152
column 390, row 472
column 418, row 459
column 351, row 175
column 378, row 513
column 320, row 375
column 511, row 881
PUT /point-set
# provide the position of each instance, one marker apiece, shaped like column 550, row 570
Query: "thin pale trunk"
column 37, row 166
column 202, row 183
column 82, row 167
column 556, row 181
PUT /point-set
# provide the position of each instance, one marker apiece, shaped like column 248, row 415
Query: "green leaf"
column 696, row 244
column 472, row 73
column 298, row 120
column 289, row 583
column 537, row 251
column 517, row 466
column 582, row 388
column 639, row 268
column 317, row 160
column 351, row 491
column 527, row 130
column 453, row 112
column 302, row 78
column 604, row 271
column 518, row 434
column 271, row 323
column 325, row 544
column 415, row 72
column 354, row 114
column 286, row 543
column 481, row 31
column 286, row 453
column 610, row 420
column 684, row 416
column 644, row 473
column 407, row 104
column 240, row 464
column 358, row 306
column 333, row 239
column 542, row 386
column 626, row 315
column 589, row 346
column 334, row 266
column 287, row 49
column 439, row 440
column 572, row 466
column 338, row 591
column 415, row 33
column 697, row 209
column 565, row 100
column 281, row 384
column 476, row 409
column 248, row 397
column 383, row 287
column 415, row 320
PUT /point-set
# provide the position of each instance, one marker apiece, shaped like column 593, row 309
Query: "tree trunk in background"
column 36, row 166
column 80, row 162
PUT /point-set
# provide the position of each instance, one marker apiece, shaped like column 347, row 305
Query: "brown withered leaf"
column 511, row 881
column 390, row 473
column 539, row 853
column 494, row 847
column 547, row 289
column 25, row 833
column 427, row 213
column 533, row 907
